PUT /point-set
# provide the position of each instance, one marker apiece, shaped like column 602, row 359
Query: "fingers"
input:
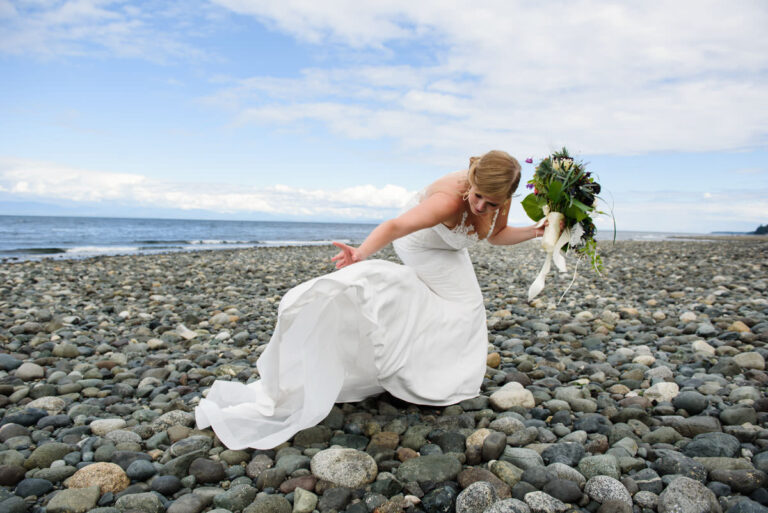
column 341, row 254
column 342, row 246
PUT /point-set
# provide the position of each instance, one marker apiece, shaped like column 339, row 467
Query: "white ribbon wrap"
column 554, row 254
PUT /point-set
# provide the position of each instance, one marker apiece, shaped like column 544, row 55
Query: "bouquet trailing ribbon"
column 564, row 193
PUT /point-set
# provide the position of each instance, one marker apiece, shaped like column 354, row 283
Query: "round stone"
column 140, row 470
column 347, row 467
column 511, row 395
column 435, row 467
column 32, row 486
column 476, row 498
column 167, row 485
column 101, row 427
column 30, row 371
column 750, row 360
column 691, row 401
column 605, row 488
column 109, row 477
column 540, row 501
column 207, row 471
column 662, row 392
column 685, row 494
column 52, row 405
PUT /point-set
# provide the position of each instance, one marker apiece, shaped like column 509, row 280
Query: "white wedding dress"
column 417, row 331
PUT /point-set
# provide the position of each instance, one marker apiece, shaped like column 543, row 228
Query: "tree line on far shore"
column 761, row 230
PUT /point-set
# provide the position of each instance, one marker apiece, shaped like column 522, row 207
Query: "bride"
column 416, row 330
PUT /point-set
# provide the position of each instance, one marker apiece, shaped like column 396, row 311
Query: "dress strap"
column 493, row 224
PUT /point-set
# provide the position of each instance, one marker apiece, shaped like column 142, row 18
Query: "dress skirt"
column 417, row 331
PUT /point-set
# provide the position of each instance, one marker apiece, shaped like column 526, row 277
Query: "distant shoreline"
column 722, row 236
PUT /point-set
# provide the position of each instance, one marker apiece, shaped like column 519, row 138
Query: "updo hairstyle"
column 496, row 174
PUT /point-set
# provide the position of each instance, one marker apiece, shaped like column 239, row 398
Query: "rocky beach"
column 643, row 390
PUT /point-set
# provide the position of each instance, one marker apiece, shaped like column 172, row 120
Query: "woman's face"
column 480, row 204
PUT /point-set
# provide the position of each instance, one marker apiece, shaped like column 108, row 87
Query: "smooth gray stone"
column 434, row 468
column 269, row 504
column 716, row 445
column 236, row 498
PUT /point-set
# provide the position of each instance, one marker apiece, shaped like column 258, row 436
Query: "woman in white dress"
column 416, row 330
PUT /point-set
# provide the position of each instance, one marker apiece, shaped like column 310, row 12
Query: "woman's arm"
column 512, row 235
column 437, row 208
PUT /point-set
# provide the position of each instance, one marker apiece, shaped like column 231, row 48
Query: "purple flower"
column 529, row 186
column 529, row 160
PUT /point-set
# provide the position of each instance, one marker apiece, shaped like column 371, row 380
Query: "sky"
column 340, row 110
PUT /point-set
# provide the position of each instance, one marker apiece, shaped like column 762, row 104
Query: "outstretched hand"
column 347, row 256
column 538, row 228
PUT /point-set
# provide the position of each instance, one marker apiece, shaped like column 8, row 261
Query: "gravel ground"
column 643, row 389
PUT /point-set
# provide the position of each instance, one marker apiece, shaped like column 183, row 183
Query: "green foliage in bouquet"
column 564, row 185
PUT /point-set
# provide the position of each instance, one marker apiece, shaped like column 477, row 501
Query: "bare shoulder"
column 452, row 184
column 445, row 201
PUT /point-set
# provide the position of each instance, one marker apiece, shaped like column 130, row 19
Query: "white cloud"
column 105, row 28
column 41, row 180
column 684, row 211
column 603, row 77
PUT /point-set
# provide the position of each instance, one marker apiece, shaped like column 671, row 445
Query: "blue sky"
column 339, row 110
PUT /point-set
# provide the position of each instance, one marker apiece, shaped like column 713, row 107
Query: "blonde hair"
column 496, row 174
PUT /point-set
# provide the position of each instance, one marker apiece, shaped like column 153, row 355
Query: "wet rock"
column 440, row 500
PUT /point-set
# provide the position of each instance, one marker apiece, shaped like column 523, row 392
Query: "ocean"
column 35, row 237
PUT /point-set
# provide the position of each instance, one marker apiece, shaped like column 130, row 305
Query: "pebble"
column 540, row 502
column 345, row 467
column 476, row 498
column 236, row 498
column 605, row 488
column 74, row 500
column 29, row 371
column 109, row 477
column 684, row 495
column 510, row 395
column 304, row 501
column 269, row 504
column 147, row 502
column 101, row 427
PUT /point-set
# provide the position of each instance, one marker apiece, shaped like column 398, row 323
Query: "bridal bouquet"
column 563, row 193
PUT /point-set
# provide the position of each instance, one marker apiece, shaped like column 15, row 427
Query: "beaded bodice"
column 463, row 235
